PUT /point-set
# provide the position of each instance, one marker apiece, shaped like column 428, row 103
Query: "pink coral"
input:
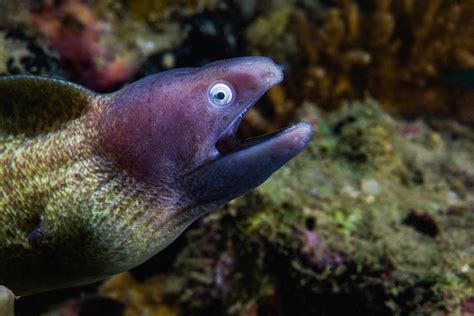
column 315, row 251
column 79, row 36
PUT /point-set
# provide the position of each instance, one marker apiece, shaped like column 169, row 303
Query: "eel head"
column 177, row 130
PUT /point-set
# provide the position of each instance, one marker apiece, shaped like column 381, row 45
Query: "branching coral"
column 399, row 51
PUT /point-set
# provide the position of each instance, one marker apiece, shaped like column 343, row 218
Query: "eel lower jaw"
column 229, row 143
column 245, row 166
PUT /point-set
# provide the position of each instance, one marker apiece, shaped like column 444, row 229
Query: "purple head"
column 177, row 130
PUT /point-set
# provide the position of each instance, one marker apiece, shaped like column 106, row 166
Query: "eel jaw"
column 228, row 142
column 289, row 140
column 236, row 166
column 242, row 167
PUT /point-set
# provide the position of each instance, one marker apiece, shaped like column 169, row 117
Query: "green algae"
column 392, row 203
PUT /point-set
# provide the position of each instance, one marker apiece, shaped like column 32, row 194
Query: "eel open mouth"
column 229, row 142
column 282, row 144
column 238, row 166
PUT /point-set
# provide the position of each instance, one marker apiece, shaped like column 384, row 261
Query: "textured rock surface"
column 376, row 217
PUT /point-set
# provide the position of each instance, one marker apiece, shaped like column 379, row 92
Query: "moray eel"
column 95, row 184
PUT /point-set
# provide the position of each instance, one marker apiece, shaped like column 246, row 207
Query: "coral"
column 385, row 227
column 105, row 44
column 153, row 11
column 101, row 43
column 149, row 297
column 214, row 33
column 76, row 32
column 401, row 52
column 93, row 305
column 13, row 12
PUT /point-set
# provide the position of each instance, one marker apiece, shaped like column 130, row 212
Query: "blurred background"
column 376, row 217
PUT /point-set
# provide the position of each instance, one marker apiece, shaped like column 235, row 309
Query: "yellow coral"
column 394, row 50
column 139, row 298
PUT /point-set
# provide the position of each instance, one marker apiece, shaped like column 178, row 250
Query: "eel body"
column 95, row 184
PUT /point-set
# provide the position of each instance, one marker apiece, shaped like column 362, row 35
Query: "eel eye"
column 221, row 94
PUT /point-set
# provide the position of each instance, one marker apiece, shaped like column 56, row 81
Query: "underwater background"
column 375, row 217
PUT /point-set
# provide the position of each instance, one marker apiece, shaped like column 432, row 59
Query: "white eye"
column 221, row 94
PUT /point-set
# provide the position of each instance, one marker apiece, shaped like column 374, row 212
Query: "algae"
column 23, row 53
column 372, row 217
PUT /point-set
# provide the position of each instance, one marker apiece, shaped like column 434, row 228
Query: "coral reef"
column 415, row 58
column 75, row 31
column 401, row 52
column 149, row 297
column 213, row 34
column 105, row 43
column 376, row 216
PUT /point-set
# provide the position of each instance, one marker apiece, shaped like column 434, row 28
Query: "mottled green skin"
column 67, row 215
